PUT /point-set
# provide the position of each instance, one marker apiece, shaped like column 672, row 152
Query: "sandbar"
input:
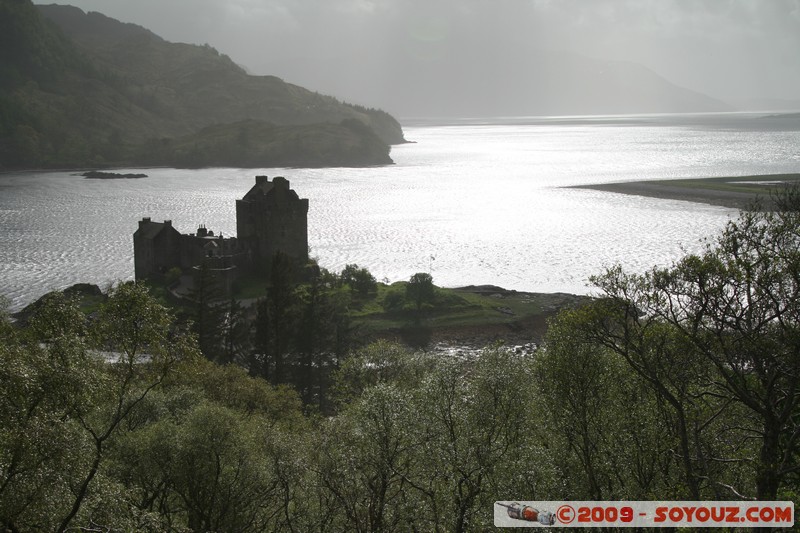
column 735, row 192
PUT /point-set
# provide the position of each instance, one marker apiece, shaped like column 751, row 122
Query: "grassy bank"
column 472, row 315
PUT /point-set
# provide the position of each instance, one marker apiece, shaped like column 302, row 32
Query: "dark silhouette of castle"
column 270, row 218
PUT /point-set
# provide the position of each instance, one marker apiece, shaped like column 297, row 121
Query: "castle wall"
column 156, row 248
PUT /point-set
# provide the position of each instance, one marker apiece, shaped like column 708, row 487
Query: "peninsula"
column 82, row 90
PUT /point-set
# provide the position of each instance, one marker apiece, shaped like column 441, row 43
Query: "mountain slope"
column 95, row 92
column 198, row 85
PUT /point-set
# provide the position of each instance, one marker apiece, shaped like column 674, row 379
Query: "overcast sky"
column 730, row 49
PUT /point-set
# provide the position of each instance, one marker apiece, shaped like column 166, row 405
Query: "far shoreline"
column 736, row 192
column 77, row 170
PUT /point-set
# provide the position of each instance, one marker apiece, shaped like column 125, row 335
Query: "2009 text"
column 644, row 514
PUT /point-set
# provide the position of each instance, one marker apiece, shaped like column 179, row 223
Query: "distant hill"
column 80, row 89
column 768, row 104
column 541, row 83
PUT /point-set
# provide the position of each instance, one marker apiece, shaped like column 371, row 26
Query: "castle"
column 270, row 218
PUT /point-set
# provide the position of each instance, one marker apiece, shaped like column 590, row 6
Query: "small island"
column 99, row 175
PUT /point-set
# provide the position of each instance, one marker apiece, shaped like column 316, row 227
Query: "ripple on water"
column 471, row 204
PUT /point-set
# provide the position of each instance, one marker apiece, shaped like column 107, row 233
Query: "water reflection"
column 484, row 200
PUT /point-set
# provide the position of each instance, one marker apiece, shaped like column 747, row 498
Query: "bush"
column 360, row 280
column 394, row 300
column 172, row 275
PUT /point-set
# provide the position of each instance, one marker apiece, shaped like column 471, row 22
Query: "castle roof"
column 150, row 230
column 264, row 187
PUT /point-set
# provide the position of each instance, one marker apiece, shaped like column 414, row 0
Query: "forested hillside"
column 81, row 89
column 678, row 384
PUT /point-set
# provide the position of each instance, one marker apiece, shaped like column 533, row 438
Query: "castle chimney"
column 262, row 179
column 168, row 223
column 280, row 180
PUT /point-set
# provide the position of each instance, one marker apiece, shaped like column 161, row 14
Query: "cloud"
column 356, row 48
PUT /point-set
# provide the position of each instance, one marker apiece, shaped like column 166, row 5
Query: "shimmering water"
column 472, row 203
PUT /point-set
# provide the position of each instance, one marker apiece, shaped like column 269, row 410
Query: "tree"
column 735, row 310
column 602, row 414
column 428, row 443
column 209, row 317
column 236, row 334
column 364, row 462
column 420, row 290
column 380, row 362
column 201, row 451
column 219, row 471
column 26, row 146
column 70, row 388
column 360, row 280
column 323, row 334
column 657, row 356
column 477, row 432
column 276, row 321
column 44, row 369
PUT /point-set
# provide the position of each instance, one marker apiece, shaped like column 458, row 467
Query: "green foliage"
column 32, row 46
column 393, row 300
column 323, row 335
column 713, row 342
column 428, row 444
column 202, row 459
column 301, row 330
column 381, row 122
column 209, row 312
column 380, row 362
column 360, row 280
column 216, row 467
column 70, row 387
column 603, row 415
column 421, row 291
column 681, row 383
column 172, row 275
column 277, row 319
column 117, row 424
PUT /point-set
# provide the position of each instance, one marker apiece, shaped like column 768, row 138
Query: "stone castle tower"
column 272, row 218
